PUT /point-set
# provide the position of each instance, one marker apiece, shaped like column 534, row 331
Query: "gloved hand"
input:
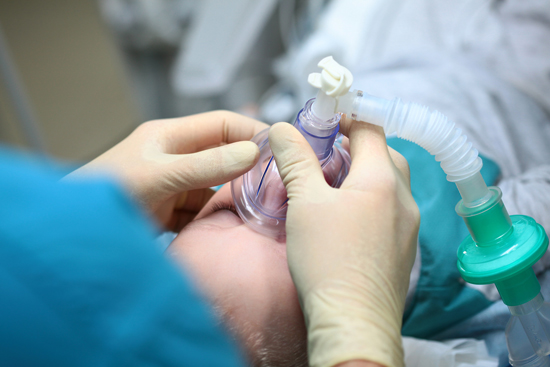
column 350, row 250
column 168, row 165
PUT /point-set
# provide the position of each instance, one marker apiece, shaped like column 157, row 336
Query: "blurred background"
column 77, row 76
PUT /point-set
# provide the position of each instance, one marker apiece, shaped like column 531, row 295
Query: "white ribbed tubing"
column 432, row 131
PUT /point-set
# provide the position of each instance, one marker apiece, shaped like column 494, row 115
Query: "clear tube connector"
column 320, row 132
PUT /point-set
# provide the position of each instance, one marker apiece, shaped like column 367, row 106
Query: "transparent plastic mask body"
column 260, row 196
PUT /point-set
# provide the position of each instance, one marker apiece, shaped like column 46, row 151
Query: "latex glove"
column 350, row 250
column 168, row 165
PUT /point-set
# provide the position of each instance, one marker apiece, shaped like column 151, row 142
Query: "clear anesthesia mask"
column 260, row 196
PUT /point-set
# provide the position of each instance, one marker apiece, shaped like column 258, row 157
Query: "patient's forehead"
column 245, row 275
column 222, row 251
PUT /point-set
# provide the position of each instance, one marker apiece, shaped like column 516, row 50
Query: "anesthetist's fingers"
column 297, row 163
column 197, row 132
column 364, row 133
column 345, row 143
column 194, row 200
column 345, row 125
column 367, row 141
column 187, row 206
column 401, row 164
column 371, row 163
column 181, row 209
column 210, row 167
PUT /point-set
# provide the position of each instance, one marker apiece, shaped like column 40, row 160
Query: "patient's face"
column 245, row 276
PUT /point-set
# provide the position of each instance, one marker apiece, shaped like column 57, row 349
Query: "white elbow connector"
column 333, row 82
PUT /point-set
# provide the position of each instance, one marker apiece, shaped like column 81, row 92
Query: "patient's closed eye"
column 224, row 206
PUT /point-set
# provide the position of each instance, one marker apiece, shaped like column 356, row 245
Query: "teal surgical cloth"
column 82, row 284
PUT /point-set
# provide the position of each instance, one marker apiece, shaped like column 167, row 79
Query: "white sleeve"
column 528, row 29
column 529, row 194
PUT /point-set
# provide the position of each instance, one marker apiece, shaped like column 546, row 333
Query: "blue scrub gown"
column 82, row 283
